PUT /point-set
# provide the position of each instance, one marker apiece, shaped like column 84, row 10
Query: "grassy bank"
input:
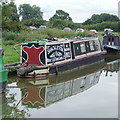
column 12, row 38
column 10, row 55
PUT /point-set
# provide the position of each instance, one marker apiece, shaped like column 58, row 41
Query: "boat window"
column 67, row 51
column 83, row 49
column 72, row 50
column 113, row 43
column 87, row 46
column 109, row 41
column 92, row 47
column 97, row 45
column 77, row 49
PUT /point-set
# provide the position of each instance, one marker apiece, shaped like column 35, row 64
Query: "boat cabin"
column 111, row 40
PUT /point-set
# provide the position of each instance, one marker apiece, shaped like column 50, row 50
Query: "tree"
column 10, row 17
column 101, row 18
column 28, row 12
column 57, row 23
column 60, row 19
column 35, row 22
column 88, row 22
column 9, row 11
column 62, row 15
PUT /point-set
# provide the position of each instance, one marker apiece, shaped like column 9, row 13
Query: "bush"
column 11, row 42
column 102, row 26
column 82, row 34
column 11, row 25
column 9, row 35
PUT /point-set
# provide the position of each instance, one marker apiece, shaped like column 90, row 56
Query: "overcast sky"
column 79, row 10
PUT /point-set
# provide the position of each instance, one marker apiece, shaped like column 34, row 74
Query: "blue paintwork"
column 116, row 40
column 111, row 43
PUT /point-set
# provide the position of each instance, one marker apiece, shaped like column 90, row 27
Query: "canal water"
column 87, row 92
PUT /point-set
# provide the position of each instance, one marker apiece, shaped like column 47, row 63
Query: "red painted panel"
column 33, row 55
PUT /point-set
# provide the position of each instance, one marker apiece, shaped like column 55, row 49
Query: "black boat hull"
column 112, row 51
column 55, row 69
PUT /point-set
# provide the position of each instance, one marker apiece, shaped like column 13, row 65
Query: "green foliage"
column 11, row 25
column 10, row 17
column 57, row 23
column 61, row 19
column 62, row 15
column 32, row 16
column 82, row 34
column 119, row 26
column 9, row 35
column 34, row 22
column 102, row 26
column 29, row 12
column 101, row 18
column 11, row 38
column 9, row 11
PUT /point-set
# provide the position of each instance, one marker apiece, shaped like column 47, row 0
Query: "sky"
column 79, row 10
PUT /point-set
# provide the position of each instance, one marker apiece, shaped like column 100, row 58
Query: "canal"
column 87, row 92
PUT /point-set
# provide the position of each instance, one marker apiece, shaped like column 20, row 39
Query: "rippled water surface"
column 87, row 92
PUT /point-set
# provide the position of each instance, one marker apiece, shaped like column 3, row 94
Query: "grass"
column 12, row 56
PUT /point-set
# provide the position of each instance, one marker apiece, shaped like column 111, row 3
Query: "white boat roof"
column 62, row 40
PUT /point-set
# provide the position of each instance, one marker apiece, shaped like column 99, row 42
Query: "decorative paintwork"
column 55, row 53
column 34, row 55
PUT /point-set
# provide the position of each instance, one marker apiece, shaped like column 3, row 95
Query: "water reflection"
column 48, row 94
column 25, row 94
column 113, row 66
column 41, row 93
column 9, row 108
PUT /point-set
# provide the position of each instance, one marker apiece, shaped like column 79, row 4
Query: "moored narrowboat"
column 3, row 73
column 111, row 42
column 40, row 58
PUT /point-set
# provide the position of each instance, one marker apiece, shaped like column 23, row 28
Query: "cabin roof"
column 63, row 40
column 113, row 47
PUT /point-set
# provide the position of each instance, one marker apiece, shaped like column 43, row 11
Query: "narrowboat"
column 111, row 43
column 47, row 57
column 3, row 72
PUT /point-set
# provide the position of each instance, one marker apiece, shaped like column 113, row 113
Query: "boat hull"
column 3, row 80
column 62, row 67
column 55, row 69
column 111, row 50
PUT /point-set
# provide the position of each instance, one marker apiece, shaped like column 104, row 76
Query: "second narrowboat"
column 111, row 42
column 46, row 57
column 3, row 73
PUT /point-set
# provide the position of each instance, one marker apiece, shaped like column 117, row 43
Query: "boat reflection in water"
column 113, row 66
column 40, row 93
column 3, row 105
